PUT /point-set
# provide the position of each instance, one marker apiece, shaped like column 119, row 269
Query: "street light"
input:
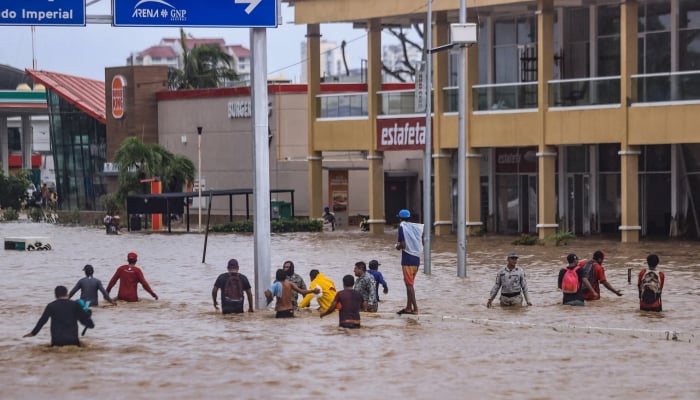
column 199, row 174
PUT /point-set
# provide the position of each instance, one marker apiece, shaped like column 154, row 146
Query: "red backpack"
column 570, row 281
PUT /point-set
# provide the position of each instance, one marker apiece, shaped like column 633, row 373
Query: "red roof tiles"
column 88, row 95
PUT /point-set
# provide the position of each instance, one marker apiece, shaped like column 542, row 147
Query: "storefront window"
column 79, row 143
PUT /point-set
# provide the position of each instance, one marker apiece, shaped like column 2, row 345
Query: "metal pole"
column 199, row 176
column 428, row 159
column 461, row 153
column 258, row 45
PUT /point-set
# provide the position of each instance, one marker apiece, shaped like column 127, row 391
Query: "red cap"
column 132, row 257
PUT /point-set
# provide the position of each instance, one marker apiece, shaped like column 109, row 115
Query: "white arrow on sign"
column 251, row 4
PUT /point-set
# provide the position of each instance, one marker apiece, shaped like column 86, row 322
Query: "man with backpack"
column 593, row 270
column 232, row 285
column 571, row 282
column 650, row 284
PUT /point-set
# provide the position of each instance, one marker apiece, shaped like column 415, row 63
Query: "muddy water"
column 180, row 347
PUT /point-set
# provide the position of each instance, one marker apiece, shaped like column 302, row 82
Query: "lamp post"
column 199, row 175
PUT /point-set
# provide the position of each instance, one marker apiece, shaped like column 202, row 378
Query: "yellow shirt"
column 327, row 292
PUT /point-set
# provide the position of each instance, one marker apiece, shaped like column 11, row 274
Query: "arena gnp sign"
column 401, row 134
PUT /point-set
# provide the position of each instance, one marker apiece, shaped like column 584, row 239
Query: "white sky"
column 87, row 51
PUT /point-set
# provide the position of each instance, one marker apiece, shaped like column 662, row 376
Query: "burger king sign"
column 118, row 87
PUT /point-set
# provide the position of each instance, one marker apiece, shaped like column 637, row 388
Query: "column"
column 442, row 171
column 473, row 162
column 314, row 158
column 4, row 151
column 375, row 158
column 546, row 155
column 629, row 155
column 27, row 137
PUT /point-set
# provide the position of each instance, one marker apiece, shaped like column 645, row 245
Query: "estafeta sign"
column 401, row 134
column 118, row 87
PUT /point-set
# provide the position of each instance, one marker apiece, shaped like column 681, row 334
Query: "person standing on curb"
column 410, row 242
column 512, row 283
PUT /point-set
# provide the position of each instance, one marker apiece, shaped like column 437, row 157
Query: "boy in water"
column 282, row 290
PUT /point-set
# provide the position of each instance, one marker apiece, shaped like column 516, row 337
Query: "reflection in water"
column 180, row 347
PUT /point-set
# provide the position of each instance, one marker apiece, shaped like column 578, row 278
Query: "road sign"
column 201, row 13
column 42, row 12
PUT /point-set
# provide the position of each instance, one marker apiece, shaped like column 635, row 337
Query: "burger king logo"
column 118, row 86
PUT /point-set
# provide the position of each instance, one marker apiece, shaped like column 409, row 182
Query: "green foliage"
column 111, row 203
column 138, row 160
column 526, row 240
column 13, row 189
column 10, row 214
column 560, row 238
column 278, row 226
column 204, row 66
column 36, row 214
column 72, row 217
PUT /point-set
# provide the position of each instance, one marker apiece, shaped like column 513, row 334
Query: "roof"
column 239, row 50
column 158, row 52
column 88, row 95
column 191, row 42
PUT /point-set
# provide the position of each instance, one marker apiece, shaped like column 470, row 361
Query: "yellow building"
column 580, row 115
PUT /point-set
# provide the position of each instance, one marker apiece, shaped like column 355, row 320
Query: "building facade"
column 580, row 116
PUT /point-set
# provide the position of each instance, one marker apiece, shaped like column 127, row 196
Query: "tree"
column 138, row 160
column 13, row 189
column 204, row 66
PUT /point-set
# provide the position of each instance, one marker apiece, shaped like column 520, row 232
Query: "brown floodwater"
column 180, row 347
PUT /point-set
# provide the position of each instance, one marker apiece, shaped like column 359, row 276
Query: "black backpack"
column 233, row 291
column 588, row 272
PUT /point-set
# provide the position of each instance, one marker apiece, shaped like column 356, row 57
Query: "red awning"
column 15, row 161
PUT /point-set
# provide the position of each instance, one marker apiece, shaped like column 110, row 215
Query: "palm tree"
column 138, row 160
column 204, row 66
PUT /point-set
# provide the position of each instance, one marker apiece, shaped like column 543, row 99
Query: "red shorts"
column 409, row 273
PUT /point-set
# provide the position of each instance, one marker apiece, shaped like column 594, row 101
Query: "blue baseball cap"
column 404, row 214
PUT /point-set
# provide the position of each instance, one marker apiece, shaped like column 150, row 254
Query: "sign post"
column 42, row 12
column 201, row 13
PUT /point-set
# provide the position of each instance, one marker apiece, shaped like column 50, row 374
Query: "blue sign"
column 42, row 12
column 199, row 13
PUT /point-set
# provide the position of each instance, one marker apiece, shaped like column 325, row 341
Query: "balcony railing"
column 399, row 102
column 667, row 87
column 505, row 96
column 584, row 92
column 342, row 105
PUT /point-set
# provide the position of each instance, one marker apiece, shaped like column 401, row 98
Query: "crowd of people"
column 579, row 281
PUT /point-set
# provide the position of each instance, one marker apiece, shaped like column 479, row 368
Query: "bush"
column 560, row 237
column 278, row 226
column 72, row 217
column 10, row 214
column 526, row 240
column 111, row 203
column 36, row 214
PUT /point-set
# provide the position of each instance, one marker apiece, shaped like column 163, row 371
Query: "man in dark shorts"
column 349, row 301
column 282, row 289
column 64, row 314
column 232, row 306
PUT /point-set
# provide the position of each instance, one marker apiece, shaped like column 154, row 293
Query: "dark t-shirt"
column 228, row 307
column 64, row 315
column 350, row 301
column 572, row 296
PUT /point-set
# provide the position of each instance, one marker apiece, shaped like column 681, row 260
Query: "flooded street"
column 180, row 347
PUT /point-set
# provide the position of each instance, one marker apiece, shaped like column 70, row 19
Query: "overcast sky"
column 87, row 51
